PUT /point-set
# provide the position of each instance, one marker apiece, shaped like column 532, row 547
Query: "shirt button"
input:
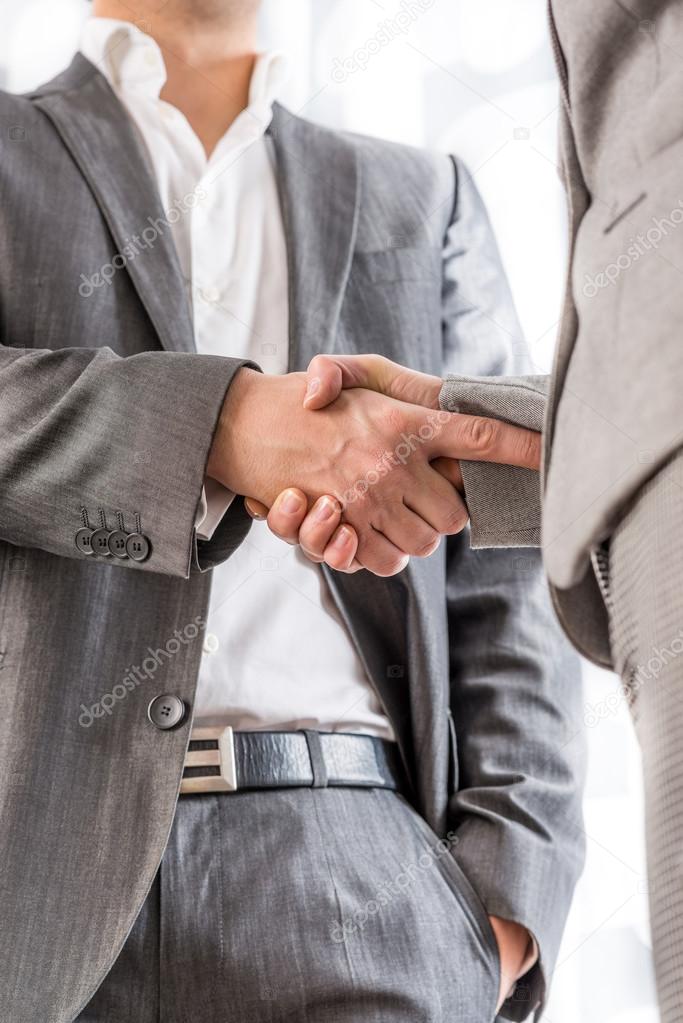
column 166, row 712
column 210, row 295
column 211, row 643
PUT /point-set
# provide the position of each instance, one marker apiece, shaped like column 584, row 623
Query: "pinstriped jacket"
column 105, row 404
column 613, row 413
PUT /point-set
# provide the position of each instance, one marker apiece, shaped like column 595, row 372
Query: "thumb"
column 328, row 375
column 325, row 379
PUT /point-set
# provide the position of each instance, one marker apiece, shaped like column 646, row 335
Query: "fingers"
column 436, row 501
column 378, row 555
column 479, row 439
column 319, row 527
column 286, row 516
column 323, row 539
column 403, row 529
column 329, row 374
column 340, row 552
column 255, row 508
column 318, row 532
column 449, row 468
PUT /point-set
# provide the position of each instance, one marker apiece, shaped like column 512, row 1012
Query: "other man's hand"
column 371, row 453
column 328, row 375
column 320, row 531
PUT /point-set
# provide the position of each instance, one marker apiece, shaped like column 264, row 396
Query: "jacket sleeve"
column 504, row 501
column 87, row 436
column 515, row 685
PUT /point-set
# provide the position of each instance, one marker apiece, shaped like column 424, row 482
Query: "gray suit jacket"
column 105, row 405
column 614, row 409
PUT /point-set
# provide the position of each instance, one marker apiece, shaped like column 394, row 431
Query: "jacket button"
column 137, row 547
column 100, row 542
column 117, row 543
column 166, row 712
column 84, row 540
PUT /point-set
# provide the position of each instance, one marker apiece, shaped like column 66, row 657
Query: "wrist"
column 231, row 433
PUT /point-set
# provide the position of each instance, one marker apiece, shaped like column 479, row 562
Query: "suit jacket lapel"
column 98, row 133
column 318, row 184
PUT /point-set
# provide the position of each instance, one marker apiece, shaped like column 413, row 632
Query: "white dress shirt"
column 276, row 651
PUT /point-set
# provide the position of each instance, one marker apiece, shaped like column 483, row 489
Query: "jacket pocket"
column 391, row 266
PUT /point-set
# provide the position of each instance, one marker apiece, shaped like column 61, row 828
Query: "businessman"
column 234, row 785
column 612, row 467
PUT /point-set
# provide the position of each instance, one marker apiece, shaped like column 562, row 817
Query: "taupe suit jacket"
column 615, row 408
column 105, row 404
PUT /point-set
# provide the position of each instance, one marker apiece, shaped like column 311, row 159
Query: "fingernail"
column 255, row 514
column 342, row 539
column 313, row 388
column 324, row 510
column 291, row 503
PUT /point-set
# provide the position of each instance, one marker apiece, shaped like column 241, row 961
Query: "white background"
column 476, row 79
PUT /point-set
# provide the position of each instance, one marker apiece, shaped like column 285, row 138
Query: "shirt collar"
column 131, row 61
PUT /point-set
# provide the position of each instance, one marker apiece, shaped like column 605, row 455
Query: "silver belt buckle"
column 223, row 758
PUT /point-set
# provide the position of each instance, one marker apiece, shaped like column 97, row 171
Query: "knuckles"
column 530, row 449
column 479, row 435
column 427, row 546
column 456, row 520
column 386, row 567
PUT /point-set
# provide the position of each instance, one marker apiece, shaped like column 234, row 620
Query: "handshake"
column 354, row 460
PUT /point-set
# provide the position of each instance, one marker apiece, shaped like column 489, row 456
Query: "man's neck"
column 209, row 62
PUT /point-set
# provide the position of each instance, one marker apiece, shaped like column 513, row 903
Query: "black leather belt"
column 222, row 760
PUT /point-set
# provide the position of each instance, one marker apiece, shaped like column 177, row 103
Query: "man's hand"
column 320, row 532
column 328, row 375
column 371, row 453
column 517, row 953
